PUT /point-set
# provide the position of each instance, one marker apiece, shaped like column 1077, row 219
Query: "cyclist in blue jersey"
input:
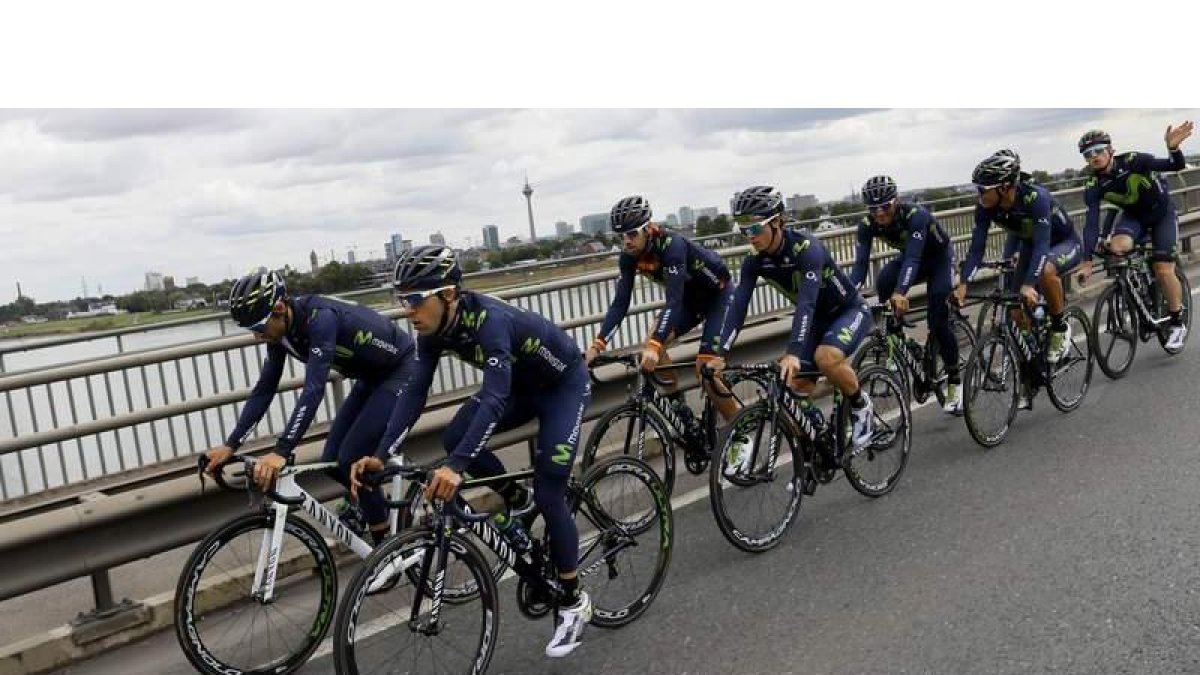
column 831, row 318
column 697, row 288
column 1039, row 230
column 1130, row 181
column 325, row 334
column 531, row 370
column 926, row 256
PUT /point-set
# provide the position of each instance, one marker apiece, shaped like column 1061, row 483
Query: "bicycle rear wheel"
column 1114, row 332
column 222, row 628
column 990, row 395
column 756, row 511
column 1072, row 375
column 965, row 335
column 631, row 431
column 1160, row 309
column 626, row 534
column 875, row 350
column 875, row 469
column 391, row 631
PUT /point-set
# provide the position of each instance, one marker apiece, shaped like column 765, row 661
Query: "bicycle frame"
column 1135, row 280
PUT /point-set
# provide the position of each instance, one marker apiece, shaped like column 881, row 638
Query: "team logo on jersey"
column 800, row 246
column 845, row 336
column 1133, row 190
column 562, row 454
column 916, row 234
column 316, row 351
column 1031, row 197
column 474, row 319
column 810, row 275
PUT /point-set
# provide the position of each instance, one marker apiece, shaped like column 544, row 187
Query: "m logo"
column 800, row 246
column 1133, row 190
column 473, row 320
column 562, row 454
column 1031, row 197
column 531, row 345
column 362, row 337
column 845, row 336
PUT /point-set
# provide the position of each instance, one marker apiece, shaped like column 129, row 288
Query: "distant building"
column 388, row 252
column 687, row 217
column 797, row 202
column 154, row 281
column 672, row 220
column 397, row 243
column 437, row 239
column 168, row 283
column 563, row 229
column 710, row 211
column 594, row 224
column 350, row 259
column 312, row 260
column 192, row 281
column 491, row 238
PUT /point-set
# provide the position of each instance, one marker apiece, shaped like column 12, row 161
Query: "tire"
column 1072, row 375
column 624, row 421
column 875, row 470
column 1114, row 331
column 875, row 351
column 368, row 627
column 727, row 500
column 966, row 344
column 1160, row 309
column 208, row 611
column 627, row 533
column 990, row 390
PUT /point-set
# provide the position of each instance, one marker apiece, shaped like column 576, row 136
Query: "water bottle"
column 513, row 532
column 1039, row 313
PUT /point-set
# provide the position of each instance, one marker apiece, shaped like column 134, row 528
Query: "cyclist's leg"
column 362, row 439
column 1060, row 260
column 560, row 417
column 840, row 340
column 1125, row 234
column 938, row 290
column 1024, row 253
column 342, row 422
column 710, row 347
column 486, row 463
column 1165, row 234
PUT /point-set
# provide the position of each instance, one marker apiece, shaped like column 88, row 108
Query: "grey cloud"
column 785, row 119
column 105, row 125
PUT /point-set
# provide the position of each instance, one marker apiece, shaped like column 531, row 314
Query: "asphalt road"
column 1070, row 548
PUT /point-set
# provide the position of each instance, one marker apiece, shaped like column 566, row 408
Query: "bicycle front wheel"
column 875, row 469
column 1114, row 332
column 631, row 431
column 223, row 628
column 383, row 628
column 965, row 335
column 990, row 395
column 1072, row 375
column 756, row 507
column 626, row 533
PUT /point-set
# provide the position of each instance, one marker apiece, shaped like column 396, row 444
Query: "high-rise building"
column 687, row 217
column 594, row 224
column 528, row 192
column 563, row 229
column 491, row 238
column 710, row 211
column 437, row 239
column 388, row 253
column 672, row 220
column 397, row 244
column 312, row 261
column 350, row 259
column 154, row 281
column 168, row 283
column 192, row 281
column 798, row 202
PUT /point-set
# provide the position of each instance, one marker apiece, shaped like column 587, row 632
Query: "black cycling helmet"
column 253, row 296
column 995, row 171
column 879, row 190
column 425, row 268
column 760, row 200
column 1008, row 152
column 629, row 214
column 1093, row 137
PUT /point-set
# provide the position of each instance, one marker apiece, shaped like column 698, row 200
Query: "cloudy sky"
column 107, row 195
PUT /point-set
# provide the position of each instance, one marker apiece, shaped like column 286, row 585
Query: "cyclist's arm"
column 809, row 287
column 322, row 338
column 620, row 303
column 862, row 254
column 918, row 233
column 675, row 275
column 1011, row 243
column 495, row 339
column 260, row 397
column 1091, row 221
column 1041, row 240
column 410, row 400
column 736, row 314
column 1144, row 162
column 979, row 235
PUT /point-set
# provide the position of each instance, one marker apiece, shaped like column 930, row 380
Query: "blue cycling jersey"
column 324, row 334
column 517, row 350
column 914, row 231
column 688, row 270
column 1035, row 217
column 803, row 270
column 1131, row 183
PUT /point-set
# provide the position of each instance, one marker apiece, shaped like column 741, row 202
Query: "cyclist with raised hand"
column 1039, row 230
column 1131, row 182
column 926, row 256
column 325, row 334
column 531, row 370
column 831, row 318
column 698, row 289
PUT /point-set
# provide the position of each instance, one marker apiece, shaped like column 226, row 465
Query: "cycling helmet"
column 760, row 200
column 878, row 191
column 426, row 268
column 1093, row 137
column 1008, row 152
column 253, row 296
column 629, row 214
column 995, row 171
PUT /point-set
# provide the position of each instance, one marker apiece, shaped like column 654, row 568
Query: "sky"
column 104, row 196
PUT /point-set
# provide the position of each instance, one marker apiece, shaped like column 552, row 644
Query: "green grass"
column 93, row 324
